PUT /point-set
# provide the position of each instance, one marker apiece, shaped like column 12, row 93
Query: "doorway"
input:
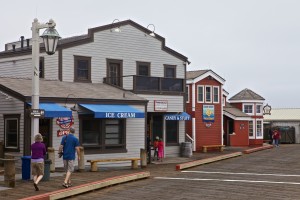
column 45, row 130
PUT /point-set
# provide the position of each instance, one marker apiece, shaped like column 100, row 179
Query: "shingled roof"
column 54, row 89
column 195, row 74
column 246, row 94
column 232, row 111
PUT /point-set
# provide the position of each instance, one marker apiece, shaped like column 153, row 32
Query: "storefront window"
column 171, row 132
column 102, row 134
column 11, row 131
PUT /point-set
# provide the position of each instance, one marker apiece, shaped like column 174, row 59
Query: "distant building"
column 287, row 120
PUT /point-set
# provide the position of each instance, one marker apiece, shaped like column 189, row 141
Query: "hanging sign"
column 65, row 122
column 160, row 105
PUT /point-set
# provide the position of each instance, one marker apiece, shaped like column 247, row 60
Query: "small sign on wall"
column 208, row 113
column 160, row 105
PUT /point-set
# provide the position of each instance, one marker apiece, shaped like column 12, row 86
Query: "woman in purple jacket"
column 38, row 151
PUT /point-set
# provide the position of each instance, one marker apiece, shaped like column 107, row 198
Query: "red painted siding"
column 213, row 134
column 240, row 138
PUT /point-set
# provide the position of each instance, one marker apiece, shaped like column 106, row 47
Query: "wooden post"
column 143, row 154
column 94, row 167
column 134, row 164
column 9, row 171
column 1, row 153
column 51, row 156
column 81, row 166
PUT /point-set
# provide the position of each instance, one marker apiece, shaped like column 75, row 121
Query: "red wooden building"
column 216, row 121
column 252, row 104
column 204, row 104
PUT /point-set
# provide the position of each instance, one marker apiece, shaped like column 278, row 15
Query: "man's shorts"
column 69, row 165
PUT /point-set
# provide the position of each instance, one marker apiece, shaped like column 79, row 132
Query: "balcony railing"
column 148, row 84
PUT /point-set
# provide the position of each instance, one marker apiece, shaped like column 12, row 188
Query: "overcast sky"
column 252, row 44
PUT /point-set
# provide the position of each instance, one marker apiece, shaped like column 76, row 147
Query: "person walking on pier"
column 38, row 151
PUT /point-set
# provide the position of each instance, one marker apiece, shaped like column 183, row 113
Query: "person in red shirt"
column 276, row 137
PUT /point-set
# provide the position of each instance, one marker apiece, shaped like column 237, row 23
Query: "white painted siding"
column 21, row 67
column 51, row 66
column 175, row 103
column 17, row 68
column 130, row 45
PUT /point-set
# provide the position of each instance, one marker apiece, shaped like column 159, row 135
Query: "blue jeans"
column 276, row 142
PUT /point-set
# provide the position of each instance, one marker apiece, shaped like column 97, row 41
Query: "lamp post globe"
column 50, row 38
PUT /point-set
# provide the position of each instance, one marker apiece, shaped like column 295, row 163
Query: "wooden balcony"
column 146, row 84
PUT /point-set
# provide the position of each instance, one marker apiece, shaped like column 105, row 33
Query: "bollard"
column 51, row 156
column 9, row 171
column 143, row 154
column 81, row 166
column 1, row 153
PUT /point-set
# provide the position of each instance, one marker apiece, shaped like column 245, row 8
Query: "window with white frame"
column 187, row 94
column 11, row 123
column 216, row 94
column 248, row 108
column 251, row 129
column 200, row 96
column 259, row 109
column 208, row 94
column 259, row 128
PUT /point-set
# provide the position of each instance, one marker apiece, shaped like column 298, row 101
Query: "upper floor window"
column 170, row 71
column 11, row 131
column 42, row 67
column 82, row 69
column 200, row 90
column 143, row 68
column 251, row 129
column 187, row 93
column 258, row 109
column 248, row 108
column 114, row 72
column 216, row 94
column 208, row 94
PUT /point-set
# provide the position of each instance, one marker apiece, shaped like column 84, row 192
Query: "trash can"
column 26, row 168
column 46, row 176
column 186, row 149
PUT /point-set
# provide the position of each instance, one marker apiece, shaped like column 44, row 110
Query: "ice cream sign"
column 64, row 123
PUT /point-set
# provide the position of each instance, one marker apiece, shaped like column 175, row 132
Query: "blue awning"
column 180, row 116
column 113, row 111
column 54, row 110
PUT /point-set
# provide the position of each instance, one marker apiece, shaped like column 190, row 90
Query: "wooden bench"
column 219, row 146
column 94, row 168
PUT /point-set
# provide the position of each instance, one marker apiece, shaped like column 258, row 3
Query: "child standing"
column 160, row 150
column 155, row 147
